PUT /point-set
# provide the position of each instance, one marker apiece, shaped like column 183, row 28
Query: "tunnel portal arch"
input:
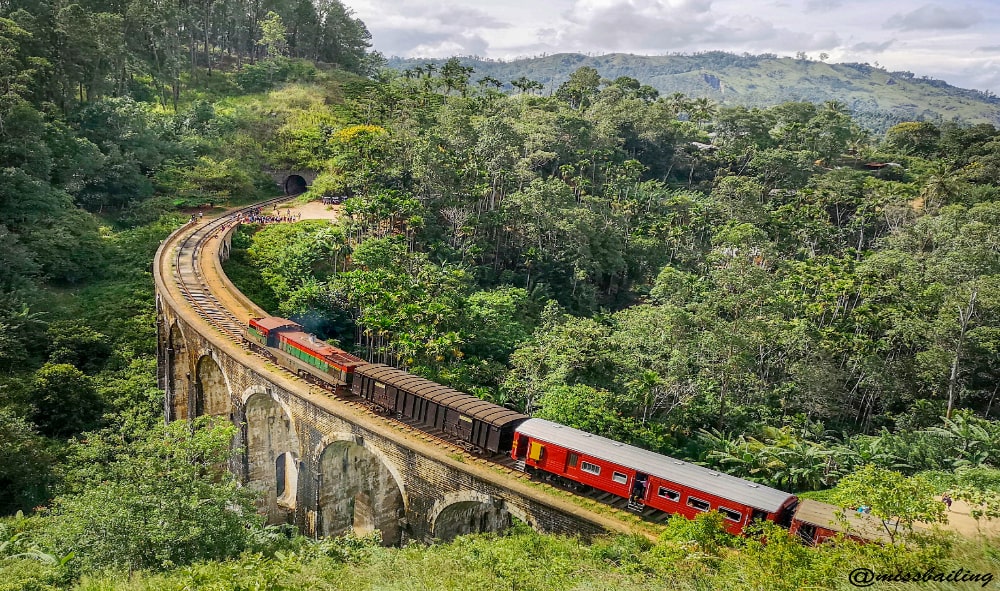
column 295, row 184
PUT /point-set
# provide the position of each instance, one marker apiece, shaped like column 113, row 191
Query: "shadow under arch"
column 178, row 375
column 358, row 490
column 211, row 389
column 467, row 512
column 271, row 454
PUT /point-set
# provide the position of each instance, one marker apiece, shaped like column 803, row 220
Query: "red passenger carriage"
column 646, row 478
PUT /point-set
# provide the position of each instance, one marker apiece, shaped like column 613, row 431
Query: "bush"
column 170, row 502
column 64, row 400
column 265, row 74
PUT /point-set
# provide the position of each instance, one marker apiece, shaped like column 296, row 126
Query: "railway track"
column 191, row 283
column 194, row 287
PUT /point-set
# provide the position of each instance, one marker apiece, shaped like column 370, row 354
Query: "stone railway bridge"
column 325, row 464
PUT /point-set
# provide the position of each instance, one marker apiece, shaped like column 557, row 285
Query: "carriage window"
column 731, row 515
column 592, row 468
column 699, row 504
column 573, row 460
column 619, row 478
column 668, row 494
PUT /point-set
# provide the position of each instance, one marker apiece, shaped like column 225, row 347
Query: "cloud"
column 871, row 46
column 465, row 44
column 659, row 26
column 453, row 16
column 989, row 49
column 822, row 5
column 759, row 34
column 637, row 24
column 931, row 17
column 429, row 28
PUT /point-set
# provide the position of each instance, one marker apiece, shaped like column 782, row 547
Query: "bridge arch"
column 467, row 512
column 178, row 375
column 271, row 454
column 359, row 490
column 211, row 389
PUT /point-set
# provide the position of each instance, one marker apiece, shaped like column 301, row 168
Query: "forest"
column 774, row 291
column 877, row 96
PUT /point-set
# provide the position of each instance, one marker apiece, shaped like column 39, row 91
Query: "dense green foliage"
column 740, row 287
column 690, row 555
column 879, row 98
column 728, row 284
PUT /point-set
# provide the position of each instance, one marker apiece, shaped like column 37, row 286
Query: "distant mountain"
column 877, row 97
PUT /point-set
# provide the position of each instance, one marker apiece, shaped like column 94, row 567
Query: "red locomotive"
column 287, row 344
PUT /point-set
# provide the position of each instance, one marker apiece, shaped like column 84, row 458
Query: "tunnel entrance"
column 295, row 185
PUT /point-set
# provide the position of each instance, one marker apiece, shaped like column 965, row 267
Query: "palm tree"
column 703, row 109
column 859, row 144
column 836, row 107
column 940, row 186
column 524, row 84
column 678, row 103
column 489, row 81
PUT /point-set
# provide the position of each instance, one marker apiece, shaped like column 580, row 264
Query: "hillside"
column 759, row 81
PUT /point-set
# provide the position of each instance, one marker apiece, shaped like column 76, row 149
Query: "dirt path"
column 220, row 285
column 961, row 522
column 314, row 210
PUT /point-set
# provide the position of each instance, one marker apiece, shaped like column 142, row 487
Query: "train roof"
column 464, row 403
column 851, row 523
column 683, row 473
column 333, row 354
column 274, row 322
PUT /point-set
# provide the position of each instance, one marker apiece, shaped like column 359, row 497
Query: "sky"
column 957, row 41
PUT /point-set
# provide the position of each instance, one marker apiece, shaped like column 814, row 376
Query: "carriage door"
column 520, row 448
column 639, row 488
column 464, row 428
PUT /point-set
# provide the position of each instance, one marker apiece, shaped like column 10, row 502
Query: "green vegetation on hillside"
column 878, row 98
column 724, row 283
column 740, row 287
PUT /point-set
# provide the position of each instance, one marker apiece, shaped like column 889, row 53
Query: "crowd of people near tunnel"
column 258, row 215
